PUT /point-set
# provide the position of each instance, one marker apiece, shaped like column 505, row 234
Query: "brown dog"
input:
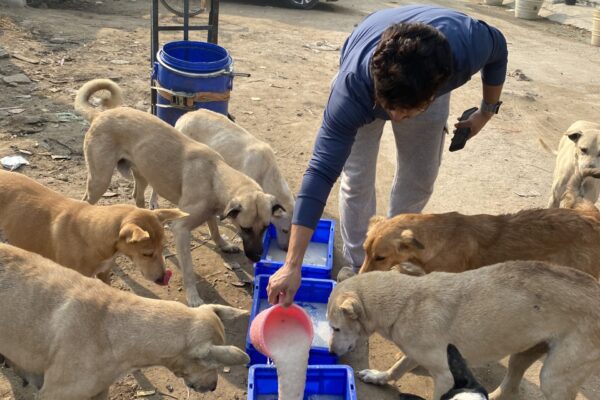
column 181, row 170
column 453, row 242
column 78, row 235
column 82, row 335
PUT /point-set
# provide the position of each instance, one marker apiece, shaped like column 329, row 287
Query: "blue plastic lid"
column 198, row 57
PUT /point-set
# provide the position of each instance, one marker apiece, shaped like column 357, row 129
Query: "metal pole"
column 153, row 50
column 186, row 19
column 213, row 21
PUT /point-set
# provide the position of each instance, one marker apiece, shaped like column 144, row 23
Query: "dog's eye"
column 147, row 254
column 335, row 329
column 583, row 150
column 246, row 230
column 379, row 258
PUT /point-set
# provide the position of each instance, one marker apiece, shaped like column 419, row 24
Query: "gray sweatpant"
column 419, row 146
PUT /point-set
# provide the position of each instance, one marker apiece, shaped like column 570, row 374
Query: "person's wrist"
column 292, row 265
column 489, row 109
column 487, row 115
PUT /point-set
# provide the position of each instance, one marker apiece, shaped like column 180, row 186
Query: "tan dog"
column 181, row 170
column 82, row 335
column 246, row 153
column 574, row 196
column 80, row 236
column 579, row 148
column 524, row 309
column 453, row 242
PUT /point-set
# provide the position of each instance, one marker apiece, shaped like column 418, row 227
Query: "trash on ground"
column 13, row 162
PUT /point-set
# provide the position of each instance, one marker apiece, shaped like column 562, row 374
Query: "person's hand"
column 284, row 284
column 475, row 122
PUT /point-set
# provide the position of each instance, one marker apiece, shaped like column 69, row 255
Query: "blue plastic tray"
column 325, row 380
column 324, row 233
column 311, row 290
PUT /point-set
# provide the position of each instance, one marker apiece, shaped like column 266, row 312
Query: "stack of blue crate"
column 325, row 379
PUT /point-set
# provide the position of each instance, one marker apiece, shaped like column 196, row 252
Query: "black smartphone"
column 461, row 135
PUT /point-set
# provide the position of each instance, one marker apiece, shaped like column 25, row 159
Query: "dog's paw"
column 194, row 300
column 229, row 248
column 374, row 376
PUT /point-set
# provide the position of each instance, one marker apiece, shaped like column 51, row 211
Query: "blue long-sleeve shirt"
column 475, row 47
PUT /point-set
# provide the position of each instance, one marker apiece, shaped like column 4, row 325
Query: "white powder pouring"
column 289, row 346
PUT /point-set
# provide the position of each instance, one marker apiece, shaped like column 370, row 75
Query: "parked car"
column 176, row 6
column 301, row 4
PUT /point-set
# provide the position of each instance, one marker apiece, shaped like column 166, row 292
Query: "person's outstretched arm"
column 346, row 111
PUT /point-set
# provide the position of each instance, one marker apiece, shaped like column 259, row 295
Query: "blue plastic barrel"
column 192, row 75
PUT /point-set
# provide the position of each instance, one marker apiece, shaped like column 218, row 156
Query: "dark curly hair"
column 411, row 62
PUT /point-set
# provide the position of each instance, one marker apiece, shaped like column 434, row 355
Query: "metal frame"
column 212, row 28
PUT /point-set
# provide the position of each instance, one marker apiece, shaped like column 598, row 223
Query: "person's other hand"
column 475, row 122
column 284, row 284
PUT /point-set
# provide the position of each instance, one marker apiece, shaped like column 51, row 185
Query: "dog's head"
column 586, row 136
column 206, row 352
column 390, row 243
column 251, row 213
column 466, row 386
column 282, row 220
column 141, row 238
column 345, row 312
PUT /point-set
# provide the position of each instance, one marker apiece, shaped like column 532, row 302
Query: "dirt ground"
column 554, row 79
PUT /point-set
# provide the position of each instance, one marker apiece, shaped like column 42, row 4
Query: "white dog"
column 525, row 309
column 578, row 149
column 247, row 154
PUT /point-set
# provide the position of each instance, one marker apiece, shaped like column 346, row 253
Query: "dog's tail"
column 574, row 196
column 547, row 147
column 82, row 100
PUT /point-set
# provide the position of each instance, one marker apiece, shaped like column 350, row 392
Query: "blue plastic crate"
column 322, row 237
column 333, row 381
column 311, row 291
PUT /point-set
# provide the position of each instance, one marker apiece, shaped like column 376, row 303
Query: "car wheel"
column 301, row 4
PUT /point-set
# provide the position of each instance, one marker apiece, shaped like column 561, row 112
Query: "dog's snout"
column 165, row 278
column 202, row 388
column 253, row 256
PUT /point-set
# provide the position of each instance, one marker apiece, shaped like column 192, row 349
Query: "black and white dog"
column 465, row 387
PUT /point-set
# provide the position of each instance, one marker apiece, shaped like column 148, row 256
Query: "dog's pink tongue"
column 167, row 277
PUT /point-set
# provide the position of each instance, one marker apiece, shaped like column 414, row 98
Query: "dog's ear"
column 463, row 378
column 133, row 233
column 226, row 313
column 375, row 220
column 407, row 240
column 277, row 210
column 574, row 136
column 232, row 210
column 169, row 214
column 352, row 308
column 228, row 355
